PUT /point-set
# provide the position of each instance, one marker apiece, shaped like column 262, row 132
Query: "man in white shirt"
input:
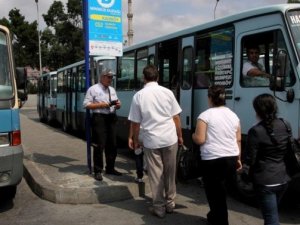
column 156, row 109
column 102, row 99
column 254, row 72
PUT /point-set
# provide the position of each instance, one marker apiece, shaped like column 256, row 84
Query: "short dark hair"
column 252, row 46
column 217, row 95
column 150, row 73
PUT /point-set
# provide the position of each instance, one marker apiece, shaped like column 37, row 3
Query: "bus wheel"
column 8, row 193
column 65, row 126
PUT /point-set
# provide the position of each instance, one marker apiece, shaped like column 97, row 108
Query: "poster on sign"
column 105, row 27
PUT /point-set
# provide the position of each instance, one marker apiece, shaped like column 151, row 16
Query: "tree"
column 62, row 42
column 24, row 36
column 293, row 1
column 64, row 36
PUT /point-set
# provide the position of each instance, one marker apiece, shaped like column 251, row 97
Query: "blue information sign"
column 105, row 27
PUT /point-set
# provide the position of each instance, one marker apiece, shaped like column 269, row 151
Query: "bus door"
column 72, row 97
column 68, row 98
column 270, row 41
column 168, row 65
column 79, row 97
column 42, row 98
column 75, row 98
column 186, row 90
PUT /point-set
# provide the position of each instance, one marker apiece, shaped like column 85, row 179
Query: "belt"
column 103, row 114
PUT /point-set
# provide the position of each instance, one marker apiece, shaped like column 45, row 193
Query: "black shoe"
column 98, row 176
column 114, row 172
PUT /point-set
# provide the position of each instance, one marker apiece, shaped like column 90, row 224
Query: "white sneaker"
column 139, row 180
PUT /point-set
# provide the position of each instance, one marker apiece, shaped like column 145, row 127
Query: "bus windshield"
column 293, row 17
column 6, row 89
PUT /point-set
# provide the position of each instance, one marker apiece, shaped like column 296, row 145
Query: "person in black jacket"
column 265, row 151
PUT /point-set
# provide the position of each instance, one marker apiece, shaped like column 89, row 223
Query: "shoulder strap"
column 288, row 128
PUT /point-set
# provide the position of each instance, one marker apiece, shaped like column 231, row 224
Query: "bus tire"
column 65, row 127
column 8, row 192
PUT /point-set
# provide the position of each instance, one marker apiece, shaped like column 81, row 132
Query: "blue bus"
column 47, row 88
column 190, row 60
column 11, row 151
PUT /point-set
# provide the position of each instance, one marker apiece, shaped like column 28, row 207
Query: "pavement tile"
column 55, row 167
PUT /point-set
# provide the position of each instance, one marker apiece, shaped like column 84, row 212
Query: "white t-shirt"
column 222, row 125
column 248, row 65
column 154, row 107
column 251, row 80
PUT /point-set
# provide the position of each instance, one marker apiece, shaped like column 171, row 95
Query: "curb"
column 104, row 194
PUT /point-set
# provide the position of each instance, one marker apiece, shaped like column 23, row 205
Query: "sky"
column 151, row 18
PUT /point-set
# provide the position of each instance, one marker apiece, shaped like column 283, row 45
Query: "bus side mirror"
column 277, row 80
column 21, row 79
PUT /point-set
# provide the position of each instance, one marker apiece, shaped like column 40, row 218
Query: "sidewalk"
column 55, row 167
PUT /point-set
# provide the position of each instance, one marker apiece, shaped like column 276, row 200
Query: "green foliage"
column 24, row 35
column 293, row 1
column 62, row 41
column 32, row 88
column 64, row 37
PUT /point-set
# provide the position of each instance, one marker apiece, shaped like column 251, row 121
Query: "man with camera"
column 102, row 99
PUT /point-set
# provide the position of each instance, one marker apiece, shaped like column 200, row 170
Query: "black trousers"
column 104, row 140
column 218, row 175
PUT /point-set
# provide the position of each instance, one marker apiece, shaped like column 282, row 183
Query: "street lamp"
column 39, row 36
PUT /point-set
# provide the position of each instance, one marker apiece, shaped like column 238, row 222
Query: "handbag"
column 187, row 164
column 292, row 156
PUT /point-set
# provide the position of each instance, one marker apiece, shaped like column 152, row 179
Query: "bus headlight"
column 5, row 176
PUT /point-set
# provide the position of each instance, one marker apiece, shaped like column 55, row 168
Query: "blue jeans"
column 269, row 197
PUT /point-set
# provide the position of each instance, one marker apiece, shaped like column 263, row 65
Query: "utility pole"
column 39, row 36
column 130, row 29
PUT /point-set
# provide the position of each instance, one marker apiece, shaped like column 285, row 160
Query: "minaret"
column 130, row 30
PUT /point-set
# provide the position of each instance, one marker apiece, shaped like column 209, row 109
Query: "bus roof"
column 96, row 58
column 282, row 8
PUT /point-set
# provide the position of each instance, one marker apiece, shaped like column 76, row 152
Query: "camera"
column 114, row 102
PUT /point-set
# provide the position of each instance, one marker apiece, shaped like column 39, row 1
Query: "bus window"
column 214, row 58
column 73, row 79
column 187, row 68
column 294, row 22
column 60, row 82
column 53, row 85
column 125, row 79
column 151, row 60
column 6, row 88
column 266, row 45
column 141, row 63
column 81, row 79
column 165, row 77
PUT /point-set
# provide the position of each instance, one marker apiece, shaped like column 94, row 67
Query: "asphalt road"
column 28, row 209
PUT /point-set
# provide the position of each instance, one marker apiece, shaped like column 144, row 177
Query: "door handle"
column 187, row 120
